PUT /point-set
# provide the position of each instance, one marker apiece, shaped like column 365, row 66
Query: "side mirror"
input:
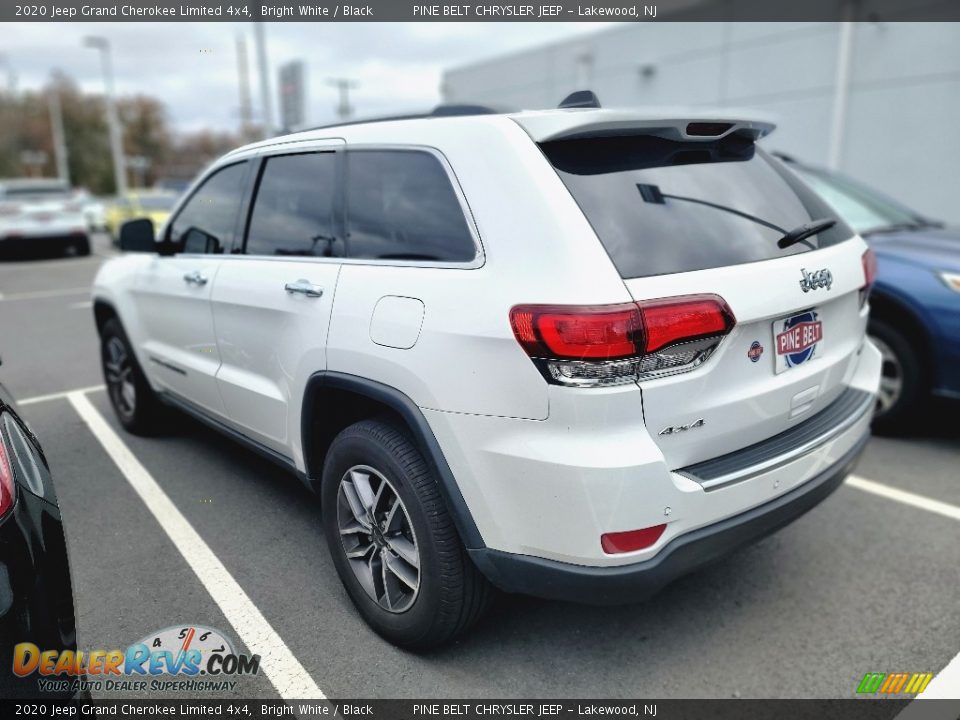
column 138, row 236
column 197, row 241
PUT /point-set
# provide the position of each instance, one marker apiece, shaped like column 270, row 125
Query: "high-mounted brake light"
column 6, row 481
column 611, row 344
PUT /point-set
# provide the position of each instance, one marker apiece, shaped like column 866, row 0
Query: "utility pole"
column 261, row 42
column 59, row 137
column 243, row 78
column 344, row 85
column 113, row 121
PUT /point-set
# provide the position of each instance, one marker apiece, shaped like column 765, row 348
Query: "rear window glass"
column 662, row 206
column 402, row 206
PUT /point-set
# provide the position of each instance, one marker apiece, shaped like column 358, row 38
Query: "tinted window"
column 661, row 206
column 293, row 211
column 401, row 206
column 863, row 209
column 206, row 223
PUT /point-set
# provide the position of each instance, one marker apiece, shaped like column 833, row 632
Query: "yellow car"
column 155, row 205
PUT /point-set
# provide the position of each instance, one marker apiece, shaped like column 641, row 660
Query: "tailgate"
column 787, row 358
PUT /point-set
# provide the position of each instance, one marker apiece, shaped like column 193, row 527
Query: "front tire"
column 393, row 541
column 137, row 407
column 903, row 389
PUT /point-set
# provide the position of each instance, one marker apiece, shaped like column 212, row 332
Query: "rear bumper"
column 629, row 583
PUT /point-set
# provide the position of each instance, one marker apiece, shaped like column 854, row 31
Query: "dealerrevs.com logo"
column 174, row 658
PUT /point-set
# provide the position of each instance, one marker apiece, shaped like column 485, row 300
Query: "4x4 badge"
column 816, row 279
column 674, row 429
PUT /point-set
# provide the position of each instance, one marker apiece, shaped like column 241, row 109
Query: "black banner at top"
column 473, row 11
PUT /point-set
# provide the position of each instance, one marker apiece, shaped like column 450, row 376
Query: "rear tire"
column 82, row 246
column 135, row 403
column 903, row 389
column 408, row 574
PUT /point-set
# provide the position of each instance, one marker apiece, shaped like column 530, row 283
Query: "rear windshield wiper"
column 802, row 232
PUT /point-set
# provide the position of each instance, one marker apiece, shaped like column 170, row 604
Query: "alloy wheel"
column 119, row 376
column 378, row 538
column 891, row 377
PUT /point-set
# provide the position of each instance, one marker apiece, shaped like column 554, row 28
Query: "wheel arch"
column 103, row 310
column 333, row 401
column 896, row 312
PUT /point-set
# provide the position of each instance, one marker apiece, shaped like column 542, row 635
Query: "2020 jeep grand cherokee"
column 572, row 353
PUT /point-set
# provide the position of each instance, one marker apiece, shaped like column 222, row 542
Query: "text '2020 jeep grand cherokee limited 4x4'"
column 570, row 353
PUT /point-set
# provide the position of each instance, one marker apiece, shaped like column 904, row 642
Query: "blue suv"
column 915, row 303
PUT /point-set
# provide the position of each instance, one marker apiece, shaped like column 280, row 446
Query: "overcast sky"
column 192, row 67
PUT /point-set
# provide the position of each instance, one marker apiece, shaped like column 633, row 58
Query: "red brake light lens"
column 6, row 481
column 630, row 541
column 869, row 268
column 596, row 345
column 686, row 318
column 606, row 332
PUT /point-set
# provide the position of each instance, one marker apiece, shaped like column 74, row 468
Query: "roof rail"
column 451, row 110
column 580, row 99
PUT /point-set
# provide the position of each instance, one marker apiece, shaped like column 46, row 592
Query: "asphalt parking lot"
column 867, row 581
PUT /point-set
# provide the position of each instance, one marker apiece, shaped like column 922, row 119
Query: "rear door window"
column 401, row 205
column 662, row 206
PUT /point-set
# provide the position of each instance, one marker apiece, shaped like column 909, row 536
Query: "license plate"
column 796, row 339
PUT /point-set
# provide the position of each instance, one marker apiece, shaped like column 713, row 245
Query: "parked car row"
column 915, row 304
column 43, row 214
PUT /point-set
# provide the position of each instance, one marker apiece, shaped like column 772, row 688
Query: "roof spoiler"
column 679, row 125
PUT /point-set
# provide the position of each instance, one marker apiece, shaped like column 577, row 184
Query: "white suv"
column 571, row 353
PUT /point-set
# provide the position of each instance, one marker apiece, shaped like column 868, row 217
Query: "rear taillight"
column 8, row 209
column 611, row 344
column 6, row 480
column 869, row 260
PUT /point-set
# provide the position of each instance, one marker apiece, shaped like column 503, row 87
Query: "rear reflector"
column 630, row 541
column 610, row 344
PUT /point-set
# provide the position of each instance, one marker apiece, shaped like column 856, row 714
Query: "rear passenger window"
column 401, row 206
column 293, row 210
column 206, row 223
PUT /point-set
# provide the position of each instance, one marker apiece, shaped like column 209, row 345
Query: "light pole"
column 113, row 122
column 260, row 39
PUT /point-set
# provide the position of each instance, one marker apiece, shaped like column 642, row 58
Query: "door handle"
column 304, row 287
column 195, row 278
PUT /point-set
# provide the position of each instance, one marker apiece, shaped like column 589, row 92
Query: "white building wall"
column 903, row 99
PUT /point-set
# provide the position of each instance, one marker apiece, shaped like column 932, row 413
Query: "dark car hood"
column 937, row 248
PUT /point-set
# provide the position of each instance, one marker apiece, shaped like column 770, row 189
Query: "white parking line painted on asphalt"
column 902, row 496
column 278, row 663
column 82, row 305
column 40, row 294
column 58, row 395
column 946, row 685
